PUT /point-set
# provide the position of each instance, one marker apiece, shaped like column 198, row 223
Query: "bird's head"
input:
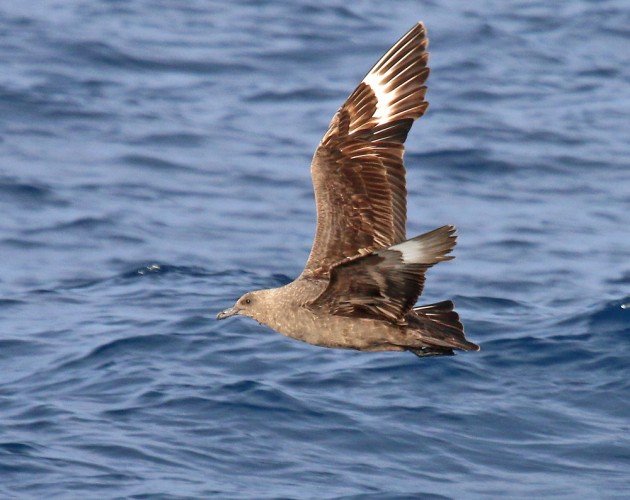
column 251, row 304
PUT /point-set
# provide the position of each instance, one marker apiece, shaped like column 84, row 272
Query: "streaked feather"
column 357, row 170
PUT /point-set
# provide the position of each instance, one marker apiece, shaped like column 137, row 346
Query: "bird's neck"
column 284, row 308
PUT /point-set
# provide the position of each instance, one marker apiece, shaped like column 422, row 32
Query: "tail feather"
column 442, row 312
column 424, row 352
column 441, row 327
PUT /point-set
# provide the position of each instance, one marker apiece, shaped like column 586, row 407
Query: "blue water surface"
column 155, row 165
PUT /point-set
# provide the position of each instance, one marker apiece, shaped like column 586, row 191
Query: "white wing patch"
column 428, row 248
column 384, row 98
column 413, row 252
column 396, row 69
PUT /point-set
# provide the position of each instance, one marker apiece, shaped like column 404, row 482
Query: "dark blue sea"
column 154, row 165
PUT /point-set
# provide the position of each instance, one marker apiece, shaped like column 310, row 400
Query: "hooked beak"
column 232, row 311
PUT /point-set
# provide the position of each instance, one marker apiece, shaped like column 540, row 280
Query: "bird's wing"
column 385, row 284
column 357, row 169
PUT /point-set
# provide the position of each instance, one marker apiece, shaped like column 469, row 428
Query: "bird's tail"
column 441, row 330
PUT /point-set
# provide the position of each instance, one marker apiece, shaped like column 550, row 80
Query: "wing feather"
column 385, row 284
column 358, row 173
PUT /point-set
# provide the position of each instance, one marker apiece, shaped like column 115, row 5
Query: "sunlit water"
column 155, row 165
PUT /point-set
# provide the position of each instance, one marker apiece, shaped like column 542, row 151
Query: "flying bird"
column 363, row 276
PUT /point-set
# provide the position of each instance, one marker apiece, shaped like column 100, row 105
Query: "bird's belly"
column 345, row 333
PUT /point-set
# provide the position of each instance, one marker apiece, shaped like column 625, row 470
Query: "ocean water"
column 155, row 165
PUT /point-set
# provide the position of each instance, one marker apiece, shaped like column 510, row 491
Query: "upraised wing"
column 357, row 170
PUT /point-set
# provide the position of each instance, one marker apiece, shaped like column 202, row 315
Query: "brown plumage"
column 362, row 277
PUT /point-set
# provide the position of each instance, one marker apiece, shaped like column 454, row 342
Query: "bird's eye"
column 248, row 301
